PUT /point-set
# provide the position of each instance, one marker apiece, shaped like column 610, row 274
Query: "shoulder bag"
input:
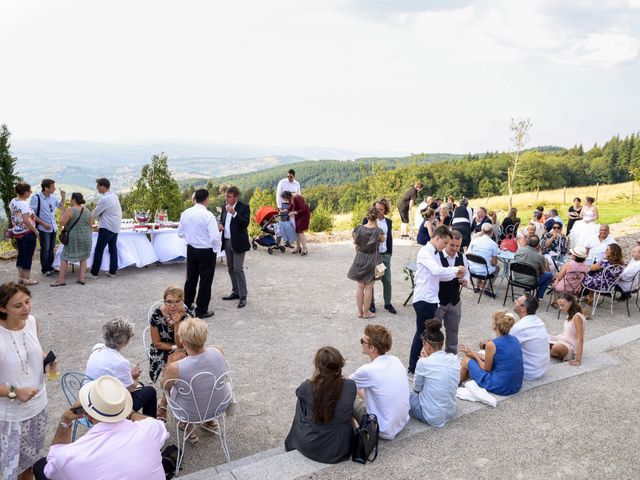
column 64, row 232
column 365, row 439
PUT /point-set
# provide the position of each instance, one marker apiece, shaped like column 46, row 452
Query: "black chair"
column 572, row 284
column 635, row 288
column 527, row 285
column 483, row 277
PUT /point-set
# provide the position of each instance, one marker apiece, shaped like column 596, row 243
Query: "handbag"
column 64, row 233
column 380, row 269
column 365, row 439
column 509, row 244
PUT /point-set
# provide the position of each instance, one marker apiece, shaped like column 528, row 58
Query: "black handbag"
column 64, row 233
column 365, row 439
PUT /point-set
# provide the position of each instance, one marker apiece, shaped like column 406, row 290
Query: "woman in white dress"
column 585, row 230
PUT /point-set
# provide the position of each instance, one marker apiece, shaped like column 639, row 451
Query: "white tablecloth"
column 168, row 245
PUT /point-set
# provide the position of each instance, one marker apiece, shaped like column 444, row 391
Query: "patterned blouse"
column 158, row 358
column 559, row 244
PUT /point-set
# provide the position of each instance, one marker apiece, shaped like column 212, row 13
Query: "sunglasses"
column 557, row 228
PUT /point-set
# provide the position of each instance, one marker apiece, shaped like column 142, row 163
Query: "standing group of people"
column 36, row 220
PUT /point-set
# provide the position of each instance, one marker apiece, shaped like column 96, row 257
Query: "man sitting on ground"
column 533, row 337
column 114, row 448
column 530, row 255
column 382, row 384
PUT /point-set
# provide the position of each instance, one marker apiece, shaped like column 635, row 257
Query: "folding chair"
column 528, row 285
column 71, row 383
column 635, row 288
column 481, row 276
column 610, row 276
column 409, row 274
column 205, row 410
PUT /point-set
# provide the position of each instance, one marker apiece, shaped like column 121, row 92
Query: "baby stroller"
column 267, row 217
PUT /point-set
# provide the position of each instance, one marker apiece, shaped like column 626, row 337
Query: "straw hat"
column 579, row 252
column 106, row 399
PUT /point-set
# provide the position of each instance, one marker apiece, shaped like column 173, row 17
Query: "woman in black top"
column 322, row 429
column 511, row 219
column 462, row 221
column 574, row 213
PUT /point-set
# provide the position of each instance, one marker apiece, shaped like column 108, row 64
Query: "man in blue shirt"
column 44, row 205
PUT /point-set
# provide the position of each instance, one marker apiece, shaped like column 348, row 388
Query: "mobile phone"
column 78, row 410
column 50, row 358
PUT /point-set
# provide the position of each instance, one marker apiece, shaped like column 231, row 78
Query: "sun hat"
column 579, row 252
column 106, row 399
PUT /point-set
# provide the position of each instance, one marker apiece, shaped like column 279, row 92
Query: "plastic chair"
column 572, row 282
column 71, row 383
column 529, row 285
column 635, row 288
column 610, row 277
column 204, row 413
column 484, row 277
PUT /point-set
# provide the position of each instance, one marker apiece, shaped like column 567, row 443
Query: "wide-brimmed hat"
column 579, row 252
column 106, row 399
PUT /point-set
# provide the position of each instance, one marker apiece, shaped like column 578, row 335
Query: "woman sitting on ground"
column 568, row 345
column 500, row 370
column 433, row 399
column 426, row 227
column 106, row 359
column 599, row 276
column 366, row 238
column 210, row 393
column 322, row 428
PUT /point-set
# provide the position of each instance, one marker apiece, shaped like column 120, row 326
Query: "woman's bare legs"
column 64, row 265
column 559, row 351
column 303, row 242
column 83, row 270
column 368, row 292
column 360, row 298
column 464, row 369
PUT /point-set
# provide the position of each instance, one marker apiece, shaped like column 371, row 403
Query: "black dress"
column 329, row 442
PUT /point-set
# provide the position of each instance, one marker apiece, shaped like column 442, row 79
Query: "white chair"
column 610, row 276
column 205, row 411
column 71, row 383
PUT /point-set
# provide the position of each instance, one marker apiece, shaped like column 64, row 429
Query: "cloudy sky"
column 372, row 76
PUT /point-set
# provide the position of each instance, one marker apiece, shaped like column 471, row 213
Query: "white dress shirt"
column 285, row 185
column 534, row 341
column 382, row 247
column 429, row 274
column 598, row 248
column 627, row 276
column 199, row 228
column 109, row 212
column 227, row 222
column 452, row 261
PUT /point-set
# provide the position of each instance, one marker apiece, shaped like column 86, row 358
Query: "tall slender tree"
column 8, row 176
column 520, row 130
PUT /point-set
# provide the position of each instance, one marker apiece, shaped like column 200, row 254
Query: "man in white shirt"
column 597, row 247
column 626, row 282
column 114, row 448
column 484, row 246
column 533, row 337
column 450, row 309
column 429, row 274
column 382, row 384
column 109, row 215
column 199, row 228
column 289, row 184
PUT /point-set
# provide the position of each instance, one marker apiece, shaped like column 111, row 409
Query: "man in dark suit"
column 386, row 249
column 235, row 242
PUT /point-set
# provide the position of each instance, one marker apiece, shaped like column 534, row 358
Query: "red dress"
column 303, row 214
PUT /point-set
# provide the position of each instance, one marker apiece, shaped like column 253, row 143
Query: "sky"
column 371, row 76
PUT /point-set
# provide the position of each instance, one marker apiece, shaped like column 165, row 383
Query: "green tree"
column 156, row 189
column 260, row 198
column 8, row 176
column 321, row 218
column 519, row 140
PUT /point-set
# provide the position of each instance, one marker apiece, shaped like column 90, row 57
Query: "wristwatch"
column 174, row 348
column 12, row 393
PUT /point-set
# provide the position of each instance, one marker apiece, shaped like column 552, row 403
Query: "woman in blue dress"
column 500, row 369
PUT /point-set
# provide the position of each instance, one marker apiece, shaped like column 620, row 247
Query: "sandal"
column 193, row 435
column 57, row 284
column 304, row 252
column 297, row 250
column 28, row 281
column 81, row 282
column 211, row 426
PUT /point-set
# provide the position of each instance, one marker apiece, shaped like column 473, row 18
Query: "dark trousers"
column 235, row 263
column 145, row 399
column 543, row 282
column 105, row 237
column 47, row 249
column 38, row 469
column 26, row 247
column 424, row 311
column 201, row 265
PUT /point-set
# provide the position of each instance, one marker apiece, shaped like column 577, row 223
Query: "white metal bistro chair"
column 205, row 408
column 71, row 383
column 610, row 276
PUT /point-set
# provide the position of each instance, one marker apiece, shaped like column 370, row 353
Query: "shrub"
column 260, row 198
column 321, row 218
column 359, row 212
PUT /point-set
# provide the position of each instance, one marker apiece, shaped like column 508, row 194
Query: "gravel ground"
column 296, row 305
